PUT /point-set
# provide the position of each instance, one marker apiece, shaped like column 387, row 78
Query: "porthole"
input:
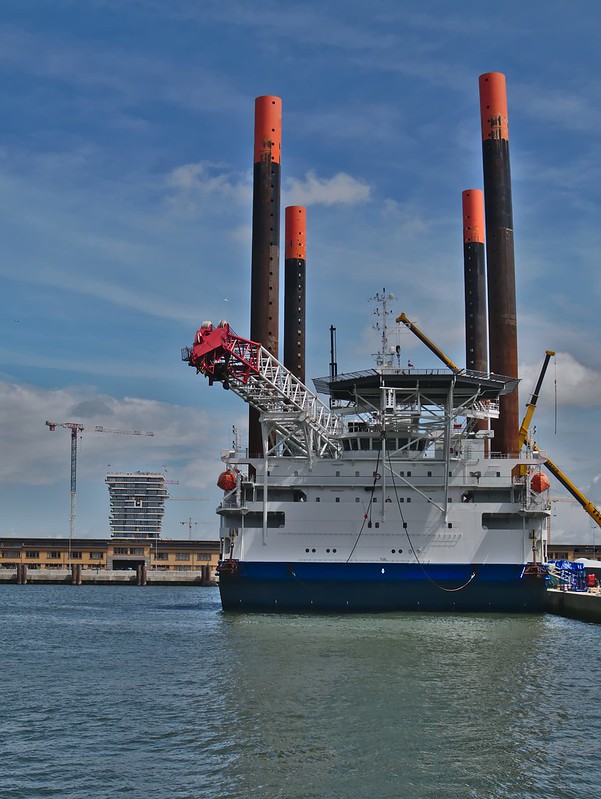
column 333, row 550
column 307, row 549
column 313, row 550
column 327, row 550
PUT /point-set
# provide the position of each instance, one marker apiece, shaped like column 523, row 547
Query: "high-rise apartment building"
column 137, row 504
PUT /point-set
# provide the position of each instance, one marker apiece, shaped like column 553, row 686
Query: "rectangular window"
column 136, row 551
column 9, row 553
column 76, row 555
column 203, row 556
column 162, row 556
column 182, row 556
column 54, row 555
column 32, row 553
column 96, row 555
column 121, row 551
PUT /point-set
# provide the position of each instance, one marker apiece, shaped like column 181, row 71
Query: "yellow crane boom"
column 582, row 500
column 533, row 400
column 429, row 344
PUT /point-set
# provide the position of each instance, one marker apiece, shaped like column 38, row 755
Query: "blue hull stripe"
column 371, row 587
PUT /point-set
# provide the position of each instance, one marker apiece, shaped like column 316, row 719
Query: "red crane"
column 75, row 428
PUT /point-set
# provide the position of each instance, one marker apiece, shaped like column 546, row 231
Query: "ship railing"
column 231, row 503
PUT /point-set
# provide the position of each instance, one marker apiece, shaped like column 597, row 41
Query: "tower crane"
column 76, row 428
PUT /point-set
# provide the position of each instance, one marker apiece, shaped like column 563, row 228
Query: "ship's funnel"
column 264, row 294
column 476, row 334
column 500, row 259
column 295, row 290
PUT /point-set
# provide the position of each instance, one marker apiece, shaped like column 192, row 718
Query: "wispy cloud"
column 340, row 189
column 197, row 185
column 31, row 456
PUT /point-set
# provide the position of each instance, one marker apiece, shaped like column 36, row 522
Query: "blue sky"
column 125, row 189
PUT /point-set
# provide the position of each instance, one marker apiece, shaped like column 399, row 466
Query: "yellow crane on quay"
column 581, row 498
column 76, row 428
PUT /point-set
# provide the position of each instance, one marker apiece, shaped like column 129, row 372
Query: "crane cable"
column 367, row 516
column 415, row 555
column 555, row 388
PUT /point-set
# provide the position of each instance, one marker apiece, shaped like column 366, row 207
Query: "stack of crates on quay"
column 566, row 575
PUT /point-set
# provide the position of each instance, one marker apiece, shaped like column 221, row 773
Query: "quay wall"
column 106, row 577
column 574, row 605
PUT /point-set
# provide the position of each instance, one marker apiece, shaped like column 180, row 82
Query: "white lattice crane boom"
column 295, row 415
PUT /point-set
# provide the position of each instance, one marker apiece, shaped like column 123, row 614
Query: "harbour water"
column 154, row 692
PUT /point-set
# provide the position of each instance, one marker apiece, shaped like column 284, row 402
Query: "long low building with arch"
column 185, row 558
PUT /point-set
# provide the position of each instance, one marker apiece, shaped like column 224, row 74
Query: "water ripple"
column 154, row 692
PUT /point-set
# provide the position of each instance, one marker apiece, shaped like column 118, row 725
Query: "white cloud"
column 341, row 189
column 33, row 457
column 195, row 185
column 577, row 385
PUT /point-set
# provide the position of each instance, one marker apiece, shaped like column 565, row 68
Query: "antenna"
column 385, row 355
column 333, row 364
